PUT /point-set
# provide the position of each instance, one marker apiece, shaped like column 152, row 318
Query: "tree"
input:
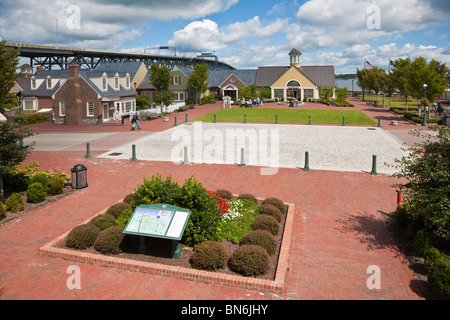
column 433, row 74
column 160, row 79
column 12, row 149
column 142, row 102
column 427, row 172
column 198, row 80
column 401, row 75
column 341, row 94
column 8, row 76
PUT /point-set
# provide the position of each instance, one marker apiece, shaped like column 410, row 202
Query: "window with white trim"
column 29, row 105
column 90, row 109
column 127, row 106
column 49, row 83
column 104, row 83
column 127, row 82
column 62, row 108
column 33, row 83
column 116, row 83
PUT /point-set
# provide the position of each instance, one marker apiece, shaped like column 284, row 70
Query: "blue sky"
column 243, row 33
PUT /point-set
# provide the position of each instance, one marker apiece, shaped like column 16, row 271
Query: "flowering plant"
column 222, row 204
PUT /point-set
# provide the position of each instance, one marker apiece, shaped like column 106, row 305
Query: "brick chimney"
column 39, row 69
column 74, row 71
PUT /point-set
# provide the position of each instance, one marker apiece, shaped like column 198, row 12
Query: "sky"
column 243, row 33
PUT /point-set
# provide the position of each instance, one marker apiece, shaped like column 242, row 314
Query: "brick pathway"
column 338, row 234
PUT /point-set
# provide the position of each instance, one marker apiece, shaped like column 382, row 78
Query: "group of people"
column 293, row 103
column 436, row 107
column 250, row 103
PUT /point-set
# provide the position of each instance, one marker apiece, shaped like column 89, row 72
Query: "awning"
column 45, row 110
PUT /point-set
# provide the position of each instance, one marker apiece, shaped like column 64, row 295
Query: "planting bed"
column 157, row 262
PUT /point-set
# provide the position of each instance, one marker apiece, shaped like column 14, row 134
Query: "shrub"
column 438, row 267
column 109, row 241
column 248, row 196
column 17, row 182
column 83, row 236
column 204, row 221
column 40, row 177
column 209, row 255
column 401, row 214
column 265, row 222
column 261, row 238
column 128, row 198
column 421, row 241
column 238, row 220
column 277, row 203
column 103, row 221
column 116, row 209
column 225, row 194
column 55, row 185
column 270, row 210
column 2, row 211
column 36, row 193
column 15, row 203
column 413, row 228
column 123, row 218
column 249, row 260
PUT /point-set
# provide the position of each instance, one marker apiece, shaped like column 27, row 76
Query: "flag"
column 391, row 65
column 368, row 64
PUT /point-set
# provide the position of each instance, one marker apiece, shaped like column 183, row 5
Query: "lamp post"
column 161, row 101
column 19, row 96
column 424, row 123
column 383, row 96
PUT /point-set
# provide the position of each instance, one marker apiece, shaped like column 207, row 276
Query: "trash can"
column 79, row 176
column 375, row 103
column 446, row 120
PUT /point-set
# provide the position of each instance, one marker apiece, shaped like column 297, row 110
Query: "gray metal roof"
column 322, row 76
column 217, row 77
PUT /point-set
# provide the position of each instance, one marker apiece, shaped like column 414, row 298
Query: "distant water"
column 348, row 84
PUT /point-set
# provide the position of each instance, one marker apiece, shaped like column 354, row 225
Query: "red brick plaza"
column 337, row 229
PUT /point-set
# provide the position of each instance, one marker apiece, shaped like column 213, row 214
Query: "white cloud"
column 33, row 21
column 207, row 35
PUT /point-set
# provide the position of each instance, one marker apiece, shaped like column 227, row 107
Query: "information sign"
column 159, row 221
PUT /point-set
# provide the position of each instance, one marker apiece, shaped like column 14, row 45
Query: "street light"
column 19, row 97
column 383, row 95
column 424, row 123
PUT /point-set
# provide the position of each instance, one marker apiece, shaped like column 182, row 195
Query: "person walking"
column 136, row 120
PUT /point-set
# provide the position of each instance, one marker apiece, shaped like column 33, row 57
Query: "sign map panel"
column 161, row 221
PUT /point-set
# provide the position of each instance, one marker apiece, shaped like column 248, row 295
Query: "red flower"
column 222, row 204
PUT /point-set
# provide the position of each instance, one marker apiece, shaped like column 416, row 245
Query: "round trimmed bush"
column 249, row 260
column 248, row 196
column 265, row 222
column 40, row 177
column 55, row 185
column 277, row 203
column 83, row 236
column 225, row 194
column 209, row 255
column 116, row 209
column 128, row 198
column 109, row 241
column 270, row 210
column 123, row 218
column 15, row 203
column 36, row 193
column 261, row 238
column 103, row 221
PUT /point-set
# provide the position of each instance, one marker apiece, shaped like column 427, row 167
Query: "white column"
column 284, row 94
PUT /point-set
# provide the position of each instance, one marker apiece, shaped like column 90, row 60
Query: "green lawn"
column 395, row 102
column 352, row 117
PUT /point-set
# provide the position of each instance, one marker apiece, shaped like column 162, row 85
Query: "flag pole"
column 364, row 68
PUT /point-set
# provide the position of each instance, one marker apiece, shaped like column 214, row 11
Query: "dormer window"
column 33, row 83
column 127, row 81
column 116, row 82
column 104, row 82
column 49, row 83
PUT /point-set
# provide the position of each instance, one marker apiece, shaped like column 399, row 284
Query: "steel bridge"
column 51, row 57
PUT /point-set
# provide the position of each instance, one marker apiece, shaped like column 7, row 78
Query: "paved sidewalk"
column 338, row 234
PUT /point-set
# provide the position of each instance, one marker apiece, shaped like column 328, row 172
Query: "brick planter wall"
column 276, row 286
